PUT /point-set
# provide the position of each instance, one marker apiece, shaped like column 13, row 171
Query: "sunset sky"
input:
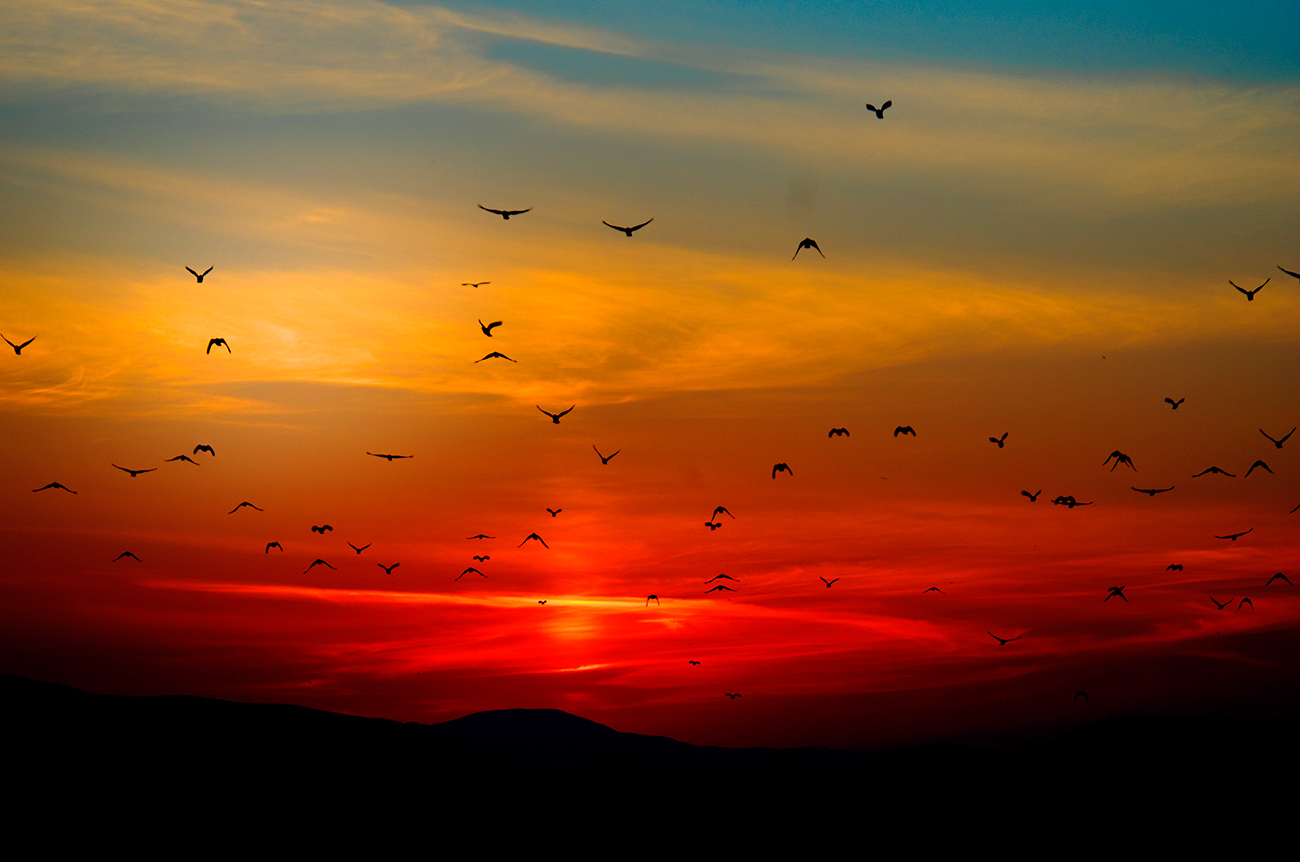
column 1036, row 240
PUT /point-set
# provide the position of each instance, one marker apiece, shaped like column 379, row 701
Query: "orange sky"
column 1006, row 252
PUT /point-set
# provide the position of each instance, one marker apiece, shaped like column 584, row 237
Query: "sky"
column 1036, row 240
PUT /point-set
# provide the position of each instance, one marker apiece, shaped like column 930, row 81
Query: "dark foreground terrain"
column 100, row 768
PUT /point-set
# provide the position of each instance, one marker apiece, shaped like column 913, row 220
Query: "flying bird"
column 627, row 230
column 388, row 457
column 204, row 447
column 720, row 587
column 270, row 545
column 1234, row 536
column 693, row 661
column 1068, row 501
column 839, row 432
column 1222, row 605
column 1250, row 294
column 1290, row 273
column 807, row 242
column 360, row 549
column 603, row 459
column 828, row 583
column 1081, row 694
column 1257, row 464
column 135, row 473
column 730, row 695
column 1033, row 498
column 505, row 214
column 880, row 112
column 495, row 355
column 1174, row 567
column 933, row 590
column 18, row 348
column 541, row 601
column 531, row 536
column 218, row 342
column 715, row 577
column 322, row 529
column 712, row 526
column 183, row 458
column 781, row 468
column 1277, row 443
column 1001, row 441
column 1112, row 592
column 199, row 277
column 555, row 512
column 555, row 417
column 487, row 330
column 318, row 562
column 474, row 283
column 1245, row 601
column 388, row 570
column 1120, row 458
column 1214, row 470
column 1278, row 576
column 242, row 505
column 482, row 559
column 649, row 597
column 1004, row 641
column 126, row 554
column 904, row 429
column 481, row 536
column 1151, row 492
column 720, row 510
column 467, row 571
column 1174, row 404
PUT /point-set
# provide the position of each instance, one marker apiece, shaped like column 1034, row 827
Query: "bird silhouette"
column 719, row 510
column 218, row 342
column 480, row 536
column 126, row 554
column 505, row 214
column 360, row 549
column 1151, row 492
column 531, row 536
column 781, row 468
column 1033, row 498
column 474, row 283
column 693, row 661
column 603, row 459
column 1278, row 576
column 1214, row 470
column 135, row 473
column 730, row 695
column 807, row 242
column 467, row 571
column 324, row 528
column 495, row 355
column 933, row 590
column 1257, row 464
column 242, row 505
column 204, row 447
column 1245, row 600
column 1004, row 641
column 555, row 417
column 541, row 601
column 999, row 440
column 720, row 587
column 18, row 348
column 1068, row 501
column 482, row 559
column 649, row 597
column 880, row 112
column 627, row 230
column 1250, row 294
column 828, row 583
column 318, row 562
column 1081, row 694
column 1277, row 443
column 839, row 432
column 1112, row 592
column 199, row 277
column 904, row 429
column 1174, row 567
column 1290, row 273
column 487, row 330
column 389, row 458
column 1221, row 605
column 270, row 545
column 1174, row 404
column 183, row 458
column 724, row 577
column 388, row 570
column 555, row 512
column 712, row 526
column 1120, row 458
column 1232, row 537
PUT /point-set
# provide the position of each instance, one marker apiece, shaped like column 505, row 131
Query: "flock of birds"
column 713, row 523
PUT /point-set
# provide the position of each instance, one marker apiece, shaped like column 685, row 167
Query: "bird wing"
column 1288, row 434
column 614, row 226
column 498, row 212
column 208, row 270
column 888, row 102
column 33, row 338
column 490, row 326
column 193, row 273
column 1290, row 273
column 570, row 410
column 643, row 224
